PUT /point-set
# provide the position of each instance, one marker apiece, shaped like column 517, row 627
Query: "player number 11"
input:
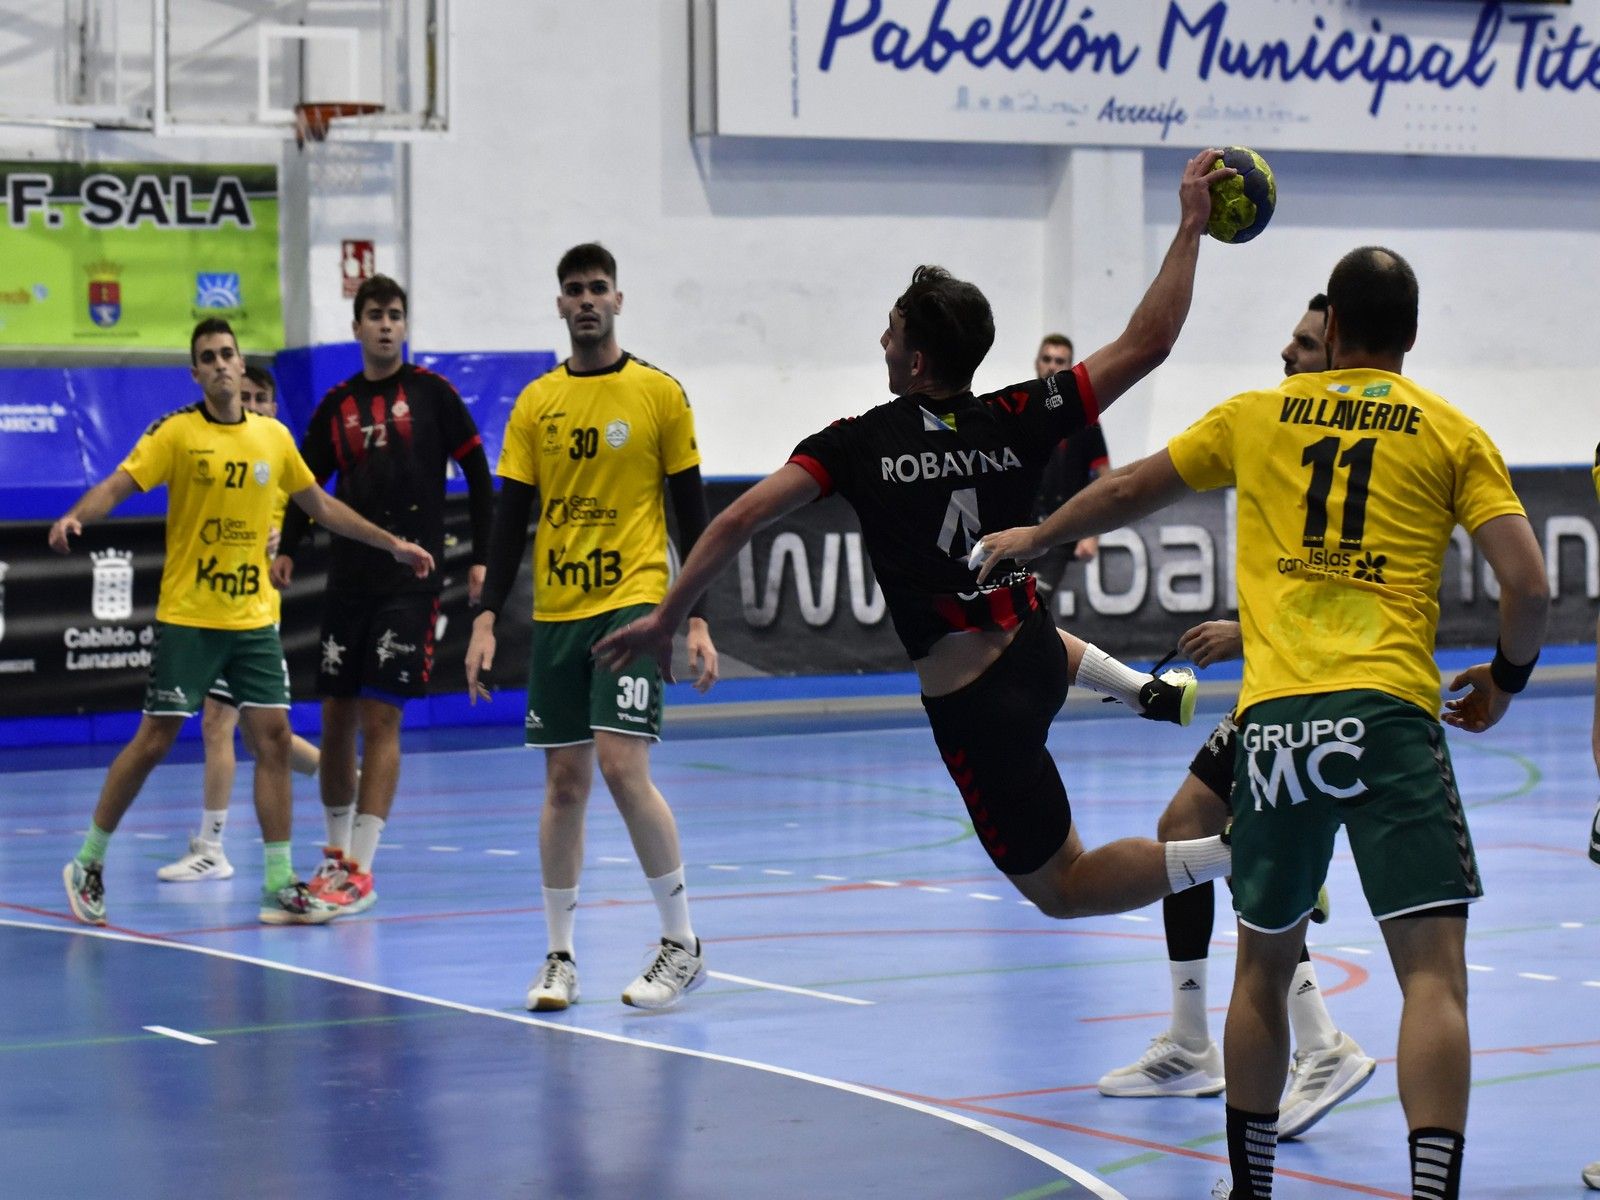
column 1321, row 457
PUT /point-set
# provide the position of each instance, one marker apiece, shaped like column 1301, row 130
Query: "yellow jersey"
column 223, row 486
column 598, row 445
column 1350, row 483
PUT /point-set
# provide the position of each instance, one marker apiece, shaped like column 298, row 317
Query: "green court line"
column 217, row 1034
column 1047, row 1189
column 1533, row 777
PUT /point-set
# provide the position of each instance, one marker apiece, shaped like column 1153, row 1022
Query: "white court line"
column 1537, row 976
column 504, row 853
column 1478, row 967
column 981, row 896
column 1131, row 917
column 783, row 987
column 1591, row 983
column 27, row 832
column 1353, row 950
column 151, row 837
column 775, row 871
column 721, row 867
column 391, row 847
column 192, row 1039
column 830, row 878
column 1054, row 1161
column 1564, row 924
column 445, row 849
column 883, row 883
column 611, row 858
column 937, row 891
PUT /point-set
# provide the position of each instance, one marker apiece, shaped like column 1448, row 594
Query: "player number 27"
column 1322, row 456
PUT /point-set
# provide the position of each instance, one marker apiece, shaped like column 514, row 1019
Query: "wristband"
column 1507, row 675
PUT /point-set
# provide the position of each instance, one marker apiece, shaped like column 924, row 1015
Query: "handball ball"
column 1242, row 204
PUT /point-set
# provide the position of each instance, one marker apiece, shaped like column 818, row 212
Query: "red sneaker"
column 352, row 893
column 329, row 871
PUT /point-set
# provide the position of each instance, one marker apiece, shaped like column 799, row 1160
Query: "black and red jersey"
column 928, row 477
column 390, row 442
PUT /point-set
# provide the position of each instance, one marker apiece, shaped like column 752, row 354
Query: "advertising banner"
column 1402, row 77
column 131, row 255
column 76, row 632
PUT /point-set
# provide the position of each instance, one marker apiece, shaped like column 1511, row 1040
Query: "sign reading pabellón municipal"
column 1404, row 77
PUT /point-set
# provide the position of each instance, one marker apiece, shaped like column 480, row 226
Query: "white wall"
column 760, row 272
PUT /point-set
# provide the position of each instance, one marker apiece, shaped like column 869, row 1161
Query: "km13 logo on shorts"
column 1284, row 758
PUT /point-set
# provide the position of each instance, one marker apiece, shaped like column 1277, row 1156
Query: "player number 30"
column 633, row 692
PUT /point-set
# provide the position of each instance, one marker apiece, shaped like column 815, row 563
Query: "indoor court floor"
column 884, row 1016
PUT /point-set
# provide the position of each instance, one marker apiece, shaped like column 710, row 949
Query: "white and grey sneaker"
column 1221, row 1190
column 1591, row 1175
column 205, row 860
column 1167, row 1068
column 672, row 971
column 555, row 986
column 1319, row 1079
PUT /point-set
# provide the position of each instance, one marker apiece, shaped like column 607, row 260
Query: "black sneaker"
column 1170, row 697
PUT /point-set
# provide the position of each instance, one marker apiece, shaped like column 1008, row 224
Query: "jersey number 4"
column 960, row 517
column 1321, row 457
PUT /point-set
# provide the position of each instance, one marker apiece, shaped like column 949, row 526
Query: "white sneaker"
column 205, row 860
column 1168, row 1069
column 1221, row 1190
column 672, row 971
column 1318, row 1080
column 555, row 986
column 1591, row 1175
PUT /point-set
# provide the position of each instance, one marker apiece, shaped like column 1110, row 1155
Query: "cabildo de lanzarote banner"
column 76, row 632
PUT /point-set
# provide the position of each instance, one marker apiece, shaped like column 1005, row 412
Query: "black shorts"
column 1213, row 765
column 992, row 736
column 378, row 646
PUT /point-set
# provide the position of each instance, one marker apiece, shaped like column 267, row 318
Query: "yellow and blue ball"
column 1242, row 204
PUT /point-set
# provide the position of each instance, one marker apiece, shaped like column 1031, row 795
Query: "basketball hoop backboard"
column 214, row 68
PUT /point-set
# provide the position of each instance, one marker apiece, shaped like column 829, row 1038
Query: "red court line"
column 1141, row 1143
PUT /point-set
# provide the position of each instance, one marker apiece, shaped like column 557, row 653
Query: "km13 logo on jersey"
column 244, row 580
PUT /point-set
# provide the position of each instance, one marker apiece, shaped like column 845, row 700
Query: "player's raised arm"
column 1153, row 328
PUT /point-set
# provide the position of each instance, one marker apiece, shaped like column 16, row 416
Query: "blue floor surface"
column 856, row 933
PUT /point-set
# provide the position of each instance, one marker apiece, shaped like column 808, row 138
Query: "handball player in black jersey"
column 927, row 474
column 389, row 433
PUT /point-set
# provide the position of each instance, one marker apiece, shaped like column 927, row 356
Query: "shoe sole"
column 357, row 906
column 699, row 978
column 222, row 872
column 1591, row 1178
column 1191, row 693
column 1337, row 1095
column 551, row 1003
column 1156, row 1092
column 73, row 902
column 277, row 916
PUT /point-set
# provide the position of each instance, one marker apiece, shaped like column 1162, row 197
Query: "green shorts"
column 570, row 696
column 1378, row 766
column 189, row 662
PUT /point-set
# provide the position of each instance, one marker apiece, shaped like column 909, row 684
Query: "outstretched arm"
column 785, row 490
column 342, row 519
column 1153, row 328
column 1512, row 550
column 1110, row 502
column 91, row 506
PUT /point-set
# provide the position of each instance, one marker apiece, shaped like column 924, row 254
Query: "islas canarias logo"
column 105, row 292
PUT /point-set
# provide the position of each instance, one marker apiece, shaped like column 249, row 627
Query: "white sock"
column 364, row 835
column 1196, row 861
column 672, row 900
column 212, row 823
column 1190, row 1027
column 1308, row 1015
column 1099, row 672
column 560, row 912
column 338, row 822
